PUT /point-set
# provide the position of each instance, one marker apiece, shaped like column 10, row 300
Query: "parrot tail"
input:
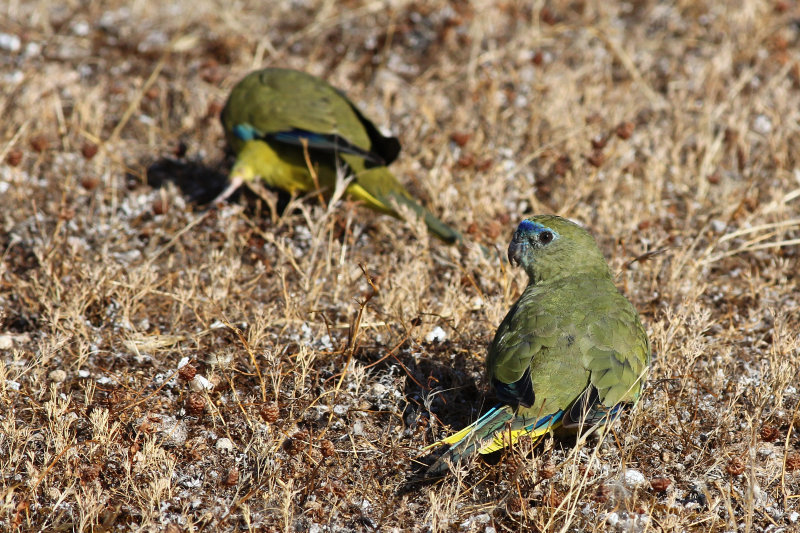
column 491, row 432
column 436, row 226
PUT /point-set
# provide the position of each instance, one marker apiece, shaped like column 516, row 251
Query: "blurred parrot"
column 277, row 121
column 570, row 354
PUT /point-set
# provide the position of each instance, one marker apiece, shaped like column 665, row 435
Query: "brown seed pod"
column 736, row 466
column 196, row 403
column 599, row 141
column 460, row 138
column 231, row 478
column 89, row 473
column 90, row 183
column 14, row 157
column 547, row 470
column 624, row 130
column 596, row 158
column 187, row 372
column 793, row 462
column 39, row 143
column 270, row 413
column 516, row 504
column 769, row 433
column 89, row 150
column 327, row 448
column 562, row 165
column 660, row 484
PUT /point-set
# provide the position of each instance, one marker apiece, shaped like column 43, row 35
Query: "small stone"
column 718, row 226
column 57, row 376
column 224, row 444
column 199, row 384
column 10, row 43
column 633, row 478
column 436, row 335
column 6, row 342
column 172, row 431
column 762, row 124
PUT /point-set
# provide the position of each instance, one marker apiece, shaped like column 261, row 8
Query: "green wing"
column 569, row 340
column 288, row 102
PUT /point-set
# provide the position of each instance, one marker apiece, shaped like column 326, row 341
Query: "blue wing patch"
column 246, row 132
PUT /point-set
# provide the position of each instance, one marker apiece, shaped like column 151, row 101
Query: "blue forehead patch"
column 531, row 226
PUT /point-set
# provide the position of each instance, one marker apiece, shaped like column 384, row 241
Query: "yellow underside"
column 290, row 172
column 501, row 439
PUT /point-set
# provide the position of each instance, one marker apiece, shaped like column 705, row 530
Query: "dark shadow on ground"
column 201, row 183
column 198, row 182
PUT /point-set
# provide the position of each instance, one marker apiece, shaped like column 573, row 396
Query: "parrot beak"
column 515, row 250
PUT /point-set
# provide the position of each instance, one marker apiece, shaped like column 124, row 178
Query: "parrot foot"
column 229, row 190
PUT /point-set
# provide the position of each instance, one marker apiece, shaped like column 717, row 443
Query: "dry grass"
column 672, row 131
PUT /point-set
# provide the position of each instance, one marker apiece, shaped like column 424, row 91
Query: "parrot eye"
column 545, row 237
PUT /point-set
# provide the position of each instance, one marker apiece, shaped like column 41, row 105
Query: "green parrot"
column 277, row 120
column 569, row 355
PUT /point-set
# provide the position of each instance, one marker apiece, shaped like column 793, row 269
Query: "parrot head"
column 549, row 247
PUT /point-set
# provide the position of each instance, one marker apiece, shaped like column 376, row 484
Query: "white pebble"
column 6, row 342
column 632, row 478
column 13, row 385
column 33, row 49
column 718, row 226
column 10, row 42
column 793, row 516
column 225, row 444
column 80, row 28
column 199, row 384
column 762, row 124
column 438, row 335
